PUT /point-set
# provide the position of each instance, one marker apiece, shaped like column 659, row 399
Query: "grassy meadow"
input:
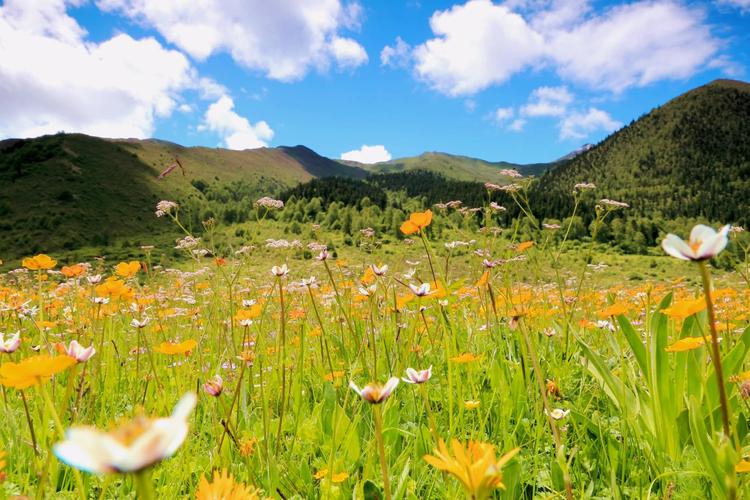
column 480, row 364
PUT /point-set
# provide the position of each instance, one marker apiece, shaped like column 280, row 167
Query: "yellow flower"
column 224, row 487
column 338, row 477
column 686, row 344
column 475, row 466
column 417, row 221
column 471, row 404
column 128, row 269
column 33, row 371
column 743, row 466
column 39, row 262
column 176, row 348
column 686, row 308
column 328, row 377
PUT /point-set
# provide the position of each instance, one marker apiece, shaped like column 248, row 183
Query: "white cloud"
column 477, row 44
column 634, row 45
column 367, row 154
column 282, row 38
column 397, row 55
column 503, row 114
column 743, row 5
column 548, row 101
column 236, row 131
column 517, row 125
column 52, row 78
column 580, row 125
column 480, row 44
column 348, row 53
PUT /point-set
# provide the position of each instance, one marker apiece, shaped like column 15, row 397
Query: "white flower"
column 136, row 323
column 379, row 271
column 312, row 281
column 367, row 292
column 131, row 448
column 375, row 393
column 94, row 279
column 704, row 243
column 421, row 290
column 612, row 204
column 268, row 202
column 280, row 271
column 417, row 377
column 557, row 413
column 78, row 352
column 11, row 344
column 165, row 207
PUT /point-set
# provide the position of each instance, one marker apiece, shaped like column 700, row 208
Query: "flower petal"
column 676, row 247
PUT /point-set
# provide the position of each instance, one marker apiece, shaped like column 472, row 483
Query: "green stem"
column 61, row 430
column 381, row 449
column 715, row 353
column 143, row 485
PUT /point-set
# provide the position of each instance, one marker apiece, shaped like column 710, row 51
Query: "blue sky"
column 521, row 80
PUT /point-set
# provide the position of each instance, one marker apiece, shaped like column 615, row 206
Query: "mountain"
column 461, row 168
column 687, row 158
column 67, row 191
column 575, row 153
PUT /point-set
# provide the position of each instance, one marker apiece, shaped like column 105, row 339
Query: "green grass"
column 642, row 422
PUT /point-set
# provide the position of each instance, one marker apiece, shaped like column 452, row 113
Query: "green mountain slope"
column 456, row 167
column 70, row 190
column 687, row 158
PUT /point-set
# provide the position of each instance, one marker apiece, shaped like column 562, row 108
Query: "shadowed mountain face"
column 71, row 190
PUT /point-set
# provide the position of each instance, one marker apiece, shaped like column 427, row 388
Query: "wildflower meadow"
column 476, row 365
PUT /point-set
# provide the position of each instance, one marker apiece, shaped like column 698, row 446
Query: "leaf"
column 635, row 342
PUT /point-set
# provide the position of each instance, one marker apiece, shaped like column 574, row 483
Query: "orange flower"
column 128, row 269
column 33, row 371
column 686, row 344
column 466, row 357
column 72, row 271
column 525, row 245
column 615, row 309
column 176, row 348
column 114, row 289
column 368, row 277
column 39, row 262
column 686, row 308
column 251, row 313
column 417, row 221
column 483, row 279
